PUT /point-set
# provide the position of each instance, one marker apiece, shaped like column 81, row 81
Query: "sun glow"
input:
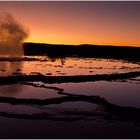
column 78, row 23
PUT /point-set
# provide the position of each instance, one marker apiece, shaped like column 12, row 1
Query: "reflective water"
column 67, row 66
column 82, row 109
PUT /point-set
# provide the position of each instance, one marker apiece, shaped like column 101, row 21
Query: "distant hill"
column 84, row 50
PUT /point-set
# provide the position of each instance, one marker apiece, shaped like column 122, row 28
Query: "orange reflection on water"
column 64, row 66
column 78, row 66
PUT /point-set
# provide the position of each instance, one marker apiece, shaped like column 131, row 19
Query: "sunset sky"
column 110, row 23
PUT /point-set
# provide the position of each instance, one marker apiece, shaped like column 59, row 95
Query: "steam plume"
column 10, row 29
column 12, row 34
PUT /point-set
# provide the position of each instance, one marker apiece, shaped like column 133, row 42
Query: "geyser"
column 12, row 34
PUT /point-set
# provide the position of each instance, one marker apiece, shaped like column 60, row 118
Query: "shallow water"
column 68, row 66
column 99, row 108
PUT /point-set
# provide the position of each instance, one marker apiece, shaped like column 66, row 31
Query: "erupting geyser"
column 12, row 34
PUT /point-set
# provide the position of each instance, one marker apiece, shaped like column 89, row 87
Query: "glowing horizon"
column 100, row 23
column 78, row 43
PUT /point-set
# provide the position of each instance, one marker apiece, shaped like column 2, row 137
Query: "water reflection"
column 78, row 66
column 10, row 49
column 59, row 109
column 9, row 90
column 9, row 68
column 55, row 59
column 58, row 89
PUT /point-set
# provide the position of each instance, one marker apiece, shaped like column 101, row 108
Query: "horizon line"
column 80, row 44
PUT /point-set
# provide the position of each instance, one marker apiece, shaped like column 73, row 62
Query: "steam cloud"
column 12, row 34
column 11, row 30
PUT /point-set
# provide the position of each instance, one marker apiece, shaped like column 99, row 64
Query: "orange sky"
column 110, row 23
